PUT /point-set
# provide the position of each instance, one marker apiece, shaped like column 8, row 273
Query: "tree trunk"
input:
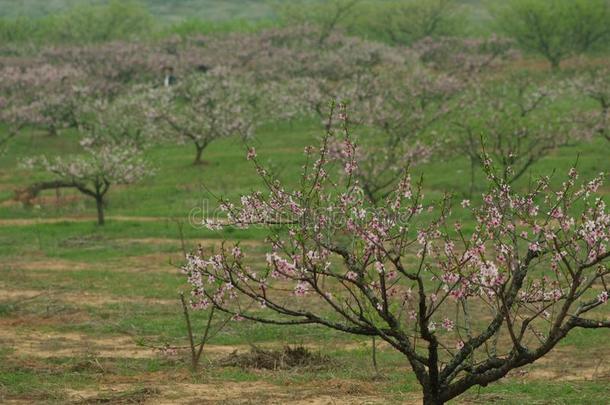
column 374, row 353
column 52, row 130
column 555, row 65
column 198, row 155
column 99, row 202
column 430, row 399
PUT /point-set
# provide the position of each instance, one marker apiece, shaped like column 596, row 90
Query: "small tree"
column 114, row 135
column 204, row 108
column 406, row 22
column 556, row 29
column 512, row 122
column 395, row 109
column 400, row 110
column 328, row 15
column 93, row 173
column 14, row 118
column 124, row 119
column 596, row 86
column 345, row 69
column 43, row 95
column 124, row 19
column 464, row 56
column 533, row 269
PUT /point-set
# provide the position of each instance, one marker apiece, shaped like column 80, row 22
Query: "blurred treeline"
column 556, row 29
column 392, row 21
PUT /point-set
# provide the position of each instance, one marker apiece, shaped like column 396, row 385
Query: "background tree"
column 123, row 119
column 466, row 57
column 11, row 130
column 513, row 122
column 555, row 29
column 341, row 70
column 533, row 269
column 113, row 137
column 399, row 112
column 203, row 108
column 101, row 166
column 395, row 109
column 115, row 20
column 61, row 85
column 596, row 86
column 84, row 22
column 14, row 117
column 327, row 15
column 112, row 67
column 406, row 22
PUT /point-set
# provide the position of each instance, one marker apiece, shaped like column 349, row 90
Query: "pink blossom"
column 448, row 324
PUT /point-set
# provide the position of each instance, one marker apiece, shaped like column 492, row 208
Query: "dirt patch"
column 154, row 262
column 35, row 221
column 100, row 300
column 19, row 295
column 77, row 298
column 114, row 395
column 181, row 393
column 157, row 241
column 50, row 264
column 600, row 372
column 36, row 344
column 261, row 392
column 569, row 364
column 54, row 344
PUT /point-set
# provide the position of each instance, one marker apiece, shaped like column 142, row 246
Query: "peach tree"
column 596, row 87
column 464, row 302
column 114, row 135
column 93, row 172
column 515, row 122
column 205, row 107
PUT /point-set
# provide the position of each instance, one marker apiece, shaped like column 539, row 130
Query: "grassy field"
column 84, row 309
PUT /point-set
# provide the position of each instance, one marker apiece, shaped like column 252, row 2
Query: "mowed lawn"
column 85, row 309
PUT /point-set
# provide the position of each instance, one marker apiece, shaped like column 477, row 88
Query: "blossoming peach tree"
column 22, row 87
column 515, row 122
column 465, row 302
column 400, row 108
column 595, row 86
column 92, row 173
column 206, row 107
column 403, row 109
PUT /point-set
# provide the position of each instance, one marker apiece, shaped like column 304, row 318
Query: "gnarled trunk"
column 432, row 400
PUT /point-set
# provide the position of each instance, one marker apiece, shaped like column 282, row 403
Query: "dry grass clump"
column 273, row 359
